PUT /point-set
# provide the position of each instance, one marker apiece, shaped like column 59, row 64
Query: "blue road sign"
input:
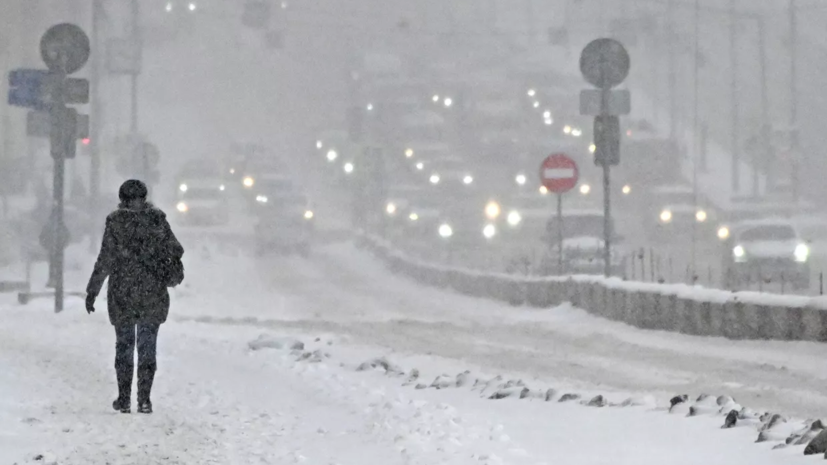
column 26, row 87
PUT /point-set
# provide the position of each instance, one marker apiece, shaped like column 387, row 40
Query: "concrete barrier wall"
column 665, row 307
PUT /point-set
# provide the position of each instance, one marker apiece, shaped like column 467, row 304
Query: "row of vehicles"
column 252, row 183
column 462, row 154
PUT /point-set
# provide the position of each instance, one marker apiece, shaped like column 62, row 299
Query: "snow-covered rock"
column 412, row 377
column 46, row 458
column 569, row 397
column 818, row 445
column 723, row 400
column 464, row 379
column 596, row 401
column 444, row 382
column 777, row 429
column 731, row 420
column 514, row 391
column 550, row 395
column 381, row 363
column 491, row 384
column 806, row 434
column 704, row 405
column 275, row 342
column 677, row 400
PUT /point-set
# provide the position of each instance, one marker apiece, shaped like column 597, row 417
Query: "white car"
column 770, row 250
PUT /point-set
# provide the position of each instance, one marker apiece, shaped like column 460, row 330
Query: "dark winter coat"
column 133, row 238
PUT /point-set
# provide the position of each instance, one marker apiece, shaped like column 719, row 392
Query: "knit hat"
column 132, row 190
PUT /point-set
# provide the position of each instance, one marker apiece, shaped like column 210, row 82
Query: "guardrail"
column 679, row 308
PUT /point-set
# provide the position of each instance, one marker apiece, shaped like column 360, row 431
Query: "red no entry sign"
column 558, row 173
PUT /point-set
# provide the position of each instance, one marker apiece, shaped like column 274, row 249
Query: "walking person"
column 141, row 257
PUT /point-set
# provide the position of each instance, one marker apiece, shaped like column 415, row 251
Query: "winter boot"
column 145, row 379
column 122, row 405
column 145, row 407
column 124, row 400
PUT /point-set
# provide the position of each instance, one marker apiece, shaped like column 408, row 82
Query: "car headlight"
column 576, row 132
column 413, row 216
column 448, row 101
column 332, row 155
column 531, row 92
column 514, row 218
column 348, row 168
column 489, row 231
column 308, row 215
column 723, row 233
column 592, row 148
column 567, row 129
column 492, row 210
column 261, row 199
column 222, row 188
column 435, row 98
column 521, row 179
column 249, row 182
column 468, row 179
column 700, row 216
column 319, row 144
column 665, row 216
column 182, row 207
column 445, row 231
column 192, row 6
column 802, row 252
column 169, row 7
column 183, row 188
column 738, row 252
column 627, row 189
column 409, row 153
column 391, row 208
column 585, row 189
column 543, row 190
column 434, row 179
column 420, row 166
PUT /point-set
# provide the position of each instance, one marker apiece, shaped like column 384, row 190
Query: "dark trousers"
column 147, row 337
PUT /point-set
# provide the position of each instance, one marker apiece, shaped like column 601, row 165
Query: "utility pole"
column 673, row 75
column 695, row 142
column 794, row 148
column 136, row 38
column 94, row 123
column 735, row 141
column 766, row 149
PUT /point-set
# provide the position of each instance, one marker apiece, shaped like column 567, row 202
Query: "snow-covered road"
column 219, row 402
column 344, row 291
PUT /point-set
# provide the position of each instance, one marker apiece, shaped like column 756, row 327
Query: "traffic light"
column 606, row 140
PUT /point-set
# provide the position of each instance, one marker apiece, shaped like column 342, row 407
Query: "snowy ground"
column 218, row 401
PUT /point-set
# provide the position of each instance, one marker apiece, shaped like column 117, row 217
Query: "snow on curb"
column 680, row 308
column 771, row 427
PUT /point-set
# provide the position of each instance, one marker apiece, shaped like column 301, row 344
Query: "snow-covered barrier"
column 668, row 307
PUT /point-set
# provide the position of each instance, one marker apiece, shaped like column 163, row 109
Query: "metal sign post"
column 64, row 49
column 559, row 174
column 560, row 233
column 604, row 63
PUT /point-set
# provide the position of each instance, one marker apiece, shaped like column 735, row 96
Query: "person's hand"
column 90, row 304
